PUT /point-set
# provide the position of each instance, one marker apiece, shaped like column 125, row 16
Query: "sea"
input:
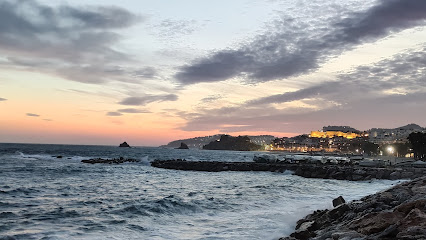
column 46, row 197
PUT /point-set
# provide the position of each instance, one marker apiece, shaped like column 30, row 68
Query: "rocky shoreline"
column 324, row 171
column 397, row 213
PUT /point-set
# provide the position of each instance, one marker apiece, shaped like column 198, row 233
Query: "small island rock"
column 183, row 146
column 124, row 144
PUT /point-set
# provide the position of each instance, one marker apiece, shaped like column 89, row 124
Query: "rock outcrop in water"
column 397, row 213
column 124, row 144
column 109, row 161
column 183, row 146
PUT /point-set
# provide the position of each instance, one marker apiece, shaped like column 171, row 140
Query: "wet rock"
column 338, row 211
column 395, row 175
column 350, row 235
column 338, row 201
column 397, row 213
column 356, row 177
column 124, row 144
column 109, row 161
column 375, row 222
column 183, row 146
column 304, row 231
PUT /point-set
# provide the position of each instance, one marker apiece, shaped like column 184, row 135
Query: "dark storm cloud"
column 140, row 101
column 67, row 41
column 394, row 85
column 32, row 115
column 114, row 114
column 296, row 49
column 3, row 99
column 405, row 71
column 309, row 92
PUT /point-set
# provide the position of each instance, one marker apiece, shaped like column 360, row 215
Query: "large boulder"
column 338, row 201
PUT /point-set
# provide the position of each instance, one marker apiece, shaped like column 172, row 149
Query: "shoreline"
column 323, row 171
column 396, row 213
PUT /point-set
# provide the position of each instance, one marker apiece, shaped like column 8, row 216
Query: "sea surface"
column 45, row 197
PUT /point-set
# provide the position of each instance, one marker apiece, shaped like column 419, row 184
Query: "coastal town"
column 335, row 143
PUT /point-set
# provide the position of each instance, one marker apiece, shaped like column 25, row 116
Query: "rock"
column 338, row 211
column 360, row 172
column 124, row 144
column 338, row 201
column 109, row 161
column 183, row 146
column 59, row 156
column 395, row 175
column 350, row 235
column 375, row 222
column 412, row 233
column 357, row 177
column 304, row 231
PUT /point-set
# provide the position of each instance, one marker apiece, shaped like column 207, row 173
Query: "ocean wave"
column 59, row 213
column 136, row 209
column 169, row 205
column 7, row 215
column 173, row 205
column 21, row 190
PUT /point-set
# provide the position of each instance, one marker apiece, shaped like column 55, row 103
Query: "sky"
column 148, row 72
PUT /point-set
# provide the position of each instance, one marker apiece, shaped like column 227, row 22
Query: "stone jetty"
column 109, row 161
column 397, row 213
column 308, row 170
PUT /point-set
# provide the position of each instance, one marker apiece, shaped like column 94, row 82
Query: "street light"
column 390, row 149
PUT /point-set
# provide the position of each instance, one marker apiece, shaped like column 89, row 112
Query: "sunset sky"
column 149, row 72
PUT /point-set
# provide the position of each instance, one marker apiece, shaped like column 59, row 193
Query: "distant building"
column 332, row 134
column 395, row 135
column 262, row 139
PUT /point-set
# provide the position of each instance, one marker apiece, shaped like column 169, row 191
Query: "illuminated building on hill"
column 332, row 134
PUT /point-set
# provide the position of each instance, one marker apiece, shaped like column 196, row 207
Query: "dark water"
column 44, row 197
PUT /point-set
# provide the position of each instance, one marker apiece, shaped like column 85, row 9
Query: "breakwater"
column 327, row 171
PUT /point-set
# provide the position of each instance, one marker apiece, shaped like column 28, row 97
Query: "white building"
column 384, row 136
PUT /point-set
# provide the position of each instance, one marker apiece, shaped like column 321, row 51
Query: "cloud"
column 172, row 28
column 132, row 110
column 309, row 92
column 298, row 48
column 405, row 71
column 3, row 99
column 393, row 88
column 114, row 114
column 32, row 115
column 146, row 72
column 211, row 98
column 140, row 101
column 76, row 43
